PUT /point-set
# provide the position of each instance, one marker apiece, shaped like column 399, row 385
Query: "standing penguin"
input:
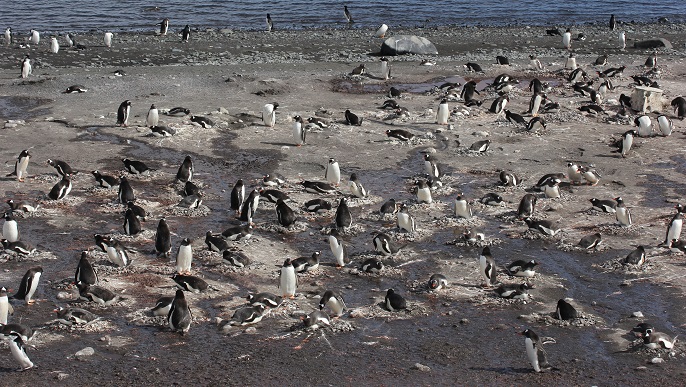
column 636, row 257
column 645, row 126
column 108, row 39
column 123, row 113
column 431, row 167
column 627, row 142
column 613, row 22
column 18, row 350
column 423, row 192
column 5, row 306
column 35, row 37
column 269, row 114
column 61, row 189
column 270, row 24
column 570, row 63
column 8, row 36
column 333, row 301
column 384, row 68
column 179, row 317
column 666, row 125
column 567, row 39
column 163, row 239
column 356, row 187
column 153, row 117
column 622, row 40
column 527, row 206
column 673, row 228
column 10, row 230
column 164, row 26
column 299, row 132
column 288, row 281
column 333, row 172
column 679, row 106
column 499, row 104
column 352, row 119
column 338, row 249
column 443, row 112
column 347, row 14
column 343, row 216
column 651, row 62
column 622, row 213
column 487, row 265
column 462, row 207
column 26, row 68
column 184, row 257
column 132, row 225
column 405, row 220
column 28, row 285
column 237, row 196
column 186, row 33
column 551, row 189
column 534, row 351
column 185, row 172
column 21, row 165
column 117, row 253
column 84, row 271
column 537, row 100
column 284, row 214
column 54, row 45
column 250, row 206
column 125, row 193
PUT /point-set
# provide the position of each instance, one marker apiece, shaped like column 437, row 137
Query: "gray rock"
column 421, row 367
column 88, row 351
column 653, row 43
column 408, row 44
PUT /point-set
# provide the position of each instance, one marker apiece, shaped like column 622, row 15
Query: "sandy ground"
column 460, row 335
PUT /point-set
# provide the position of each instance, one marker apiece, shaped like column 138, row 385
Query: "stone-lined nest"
column 584, row 319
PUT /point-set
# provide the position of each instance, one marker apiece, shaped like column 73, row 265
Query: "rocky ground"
column 464, row 334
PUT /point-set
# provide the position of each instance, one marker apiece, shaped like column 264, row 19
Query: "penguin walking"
column 5, row 307
column 666, row 125
column 163, row 239
column 184, row 257
column 613, row 22
column 462, row 207
column 123, row 113
column 343, row 216
column 527, row 206
column 117, row 253
column 26, row 67
column 54, row 45
column 285, row 215
column 185, row 172
column 573, row 173
column 356, row 187
column 28, row 285
column 352, row 119
column 333, row 172
column 186, row 34
column 125, row 193
column 537, row 100
column 405, row 220
column 18, row 350
column 153, row 117
column 423, row 192
column 487, row 265
column 164, row 26
column 180, row 316
column 443, row 113
column 237, row 196
column 269, row 114
column 567, row 40
column 622, row 213
column 622, row 40
column 132, row 225
column 84, row 271
column 394, row 301
column 21, row 165
column 651, row 62
column 299, row 132
column 570, row 63
column 535, row 63
column 338, row 249
column 334, row 302
column 384, row 68
column 288, row 280
column 108, row 39
column 270, row 23
column 347, row 14
column 565, row 310
column 673, row 228
column 61, row 189
column 627, row 142
column 10, row 229
column 534, row 351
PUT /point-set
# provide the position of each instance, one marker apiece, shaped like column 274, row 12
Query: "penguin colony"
column 176, row 308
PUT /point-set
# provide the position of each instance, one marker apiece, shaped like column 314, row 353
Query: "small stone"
column 637, row 314
column 250, row 331
column 88, row 351
column 481, row 133
column 357, row 313
column 222, row 110
column 61, row 376
column 657, row 360
column 421, row 367
column 641, row 368
column 64, row 296
column 464, row 321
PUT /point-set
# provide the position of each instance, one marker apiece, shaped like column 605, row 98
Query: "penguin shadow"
column 504, row 370
column 277, row 143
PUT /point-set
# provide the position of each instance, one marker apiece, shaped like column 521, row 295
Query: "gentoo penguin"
column 394, row 301
column 18, row 350
column 487, row 265
column 184, row 257
column 613, row 22
column 502, row 60
column 666, row 125
column 84, row 271
column 270, row 24
column 535, row 62
column 185, row 172
column 622, row 213
column 400, row 134
column 443, row 112
column 567, row 39
column 343, row 216
column 381, row 32
column 423, row 192
column 267, row 299
column 26, row 68
column 491, row 199
column 346, row 12
column 356, row 187
column 204, row 122
column 527, row 206
column 123, row 113
column 673, row 228
column 162, row 131
column 622, row 40
column 462, row 207
column 18, row 247
column 236, row 233
column 338, row 249
column 480, row 146
column 384, row 244
column 164, row 26
column 522, row 268
column 137, row 210
column 645, row 126
column 54, row 45
column 163, row 239
column 591, row 176
column 153, row 117
column 215, row 242
column 190, row 283
column 352, row 119
column 28, row 285
column 272, row 180
column 318, row 187
column 679, row 106
column 132, row 225
column 535, row 103
column 574, row 173
column 384, row 68
column 108, row 39
column 248, row 315
column 288, row 280
column 405, row 221
column 21, row 165
column 627, row 142
column 180, row 316
column 636, row 257
column 472, row 236
column 284, row 214
column 186, row 33
column 237, row 196
column 191, row 201
column 473, row 67
column 359, row 70
column 334, row 302
column 609, row 205
column 102, row 241
column 534, row 351
column 235, row 258
column 22, row 206
column 10, row 230
column 316, row 121
column 61, row 189
column 269, row 114
column 513, row 291
column 273, row 195
column 514, row 118
column 318, row 205
column 389, row 207
column 590, row 241
column 5, row 306
column 372, row 265
column 135, row 167
column 333, row 172
column 8, row 36
column 654, row 340
column 651, row 62
column 299, row 132
column 499, row 104
column 61, row 167
column 437, row 282
column 509, row 179
column 316, row 320
column 117, row 253
column 570, row 63
column 35, row 37
column 565, row 310
column 74, row 316
column 641, row 329
column 162, row 306
column 545, row 227
column 125, row 193
column 676, row 246
column 304, row 264
column 431, row 167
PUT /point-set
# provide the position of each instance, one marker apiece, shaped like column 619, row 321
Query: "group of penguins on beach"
column 176, row 310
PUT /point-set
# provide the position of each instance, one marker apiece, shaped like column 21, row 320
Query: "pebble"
column 637, row 314
column 61, row 376
column 250, row 331
column 88, row 351
column 421, row 367
column 657, row 360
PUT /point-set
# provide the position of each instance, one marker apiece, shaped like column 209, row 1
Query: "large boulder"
column 653, row 43
column 408, row 44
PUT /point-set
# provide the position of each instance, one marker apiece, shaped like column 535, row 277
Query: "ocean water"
column 136, row 15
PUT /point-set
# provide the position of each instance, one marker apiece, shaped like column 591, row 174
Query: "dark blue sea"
column 136, row 15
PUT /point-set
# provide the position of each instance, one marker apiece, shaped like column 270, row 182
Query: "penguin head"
column 287, row 262
column 179, row 294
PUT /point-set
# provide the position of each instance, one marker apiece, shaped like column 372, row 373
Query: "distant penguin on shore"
column 622, row 40
column 347, row 14
column 299, row 132
column 108, row 39
column 613, row 23
column 567, row 39
column 186, row 33
column 35, row 37
column 269, row 114
column 164, row 26
column 385, row 68
column 443, row 112
column 153, row 117
column 54, row 45
column 8, row 36
column 123, row 113
column 381, row 32
column 26, row 68
column 270, row 24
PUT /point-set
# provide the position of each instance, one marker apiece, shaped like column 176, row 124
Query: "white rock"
column 637, row 314
column 657, row 360
column 88, row 351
